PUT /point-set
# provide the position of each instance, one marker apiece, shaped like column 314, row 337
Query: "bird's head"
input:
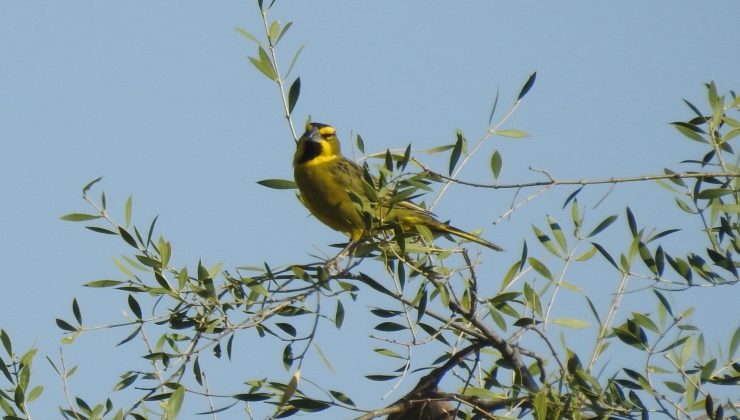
column 318, row 144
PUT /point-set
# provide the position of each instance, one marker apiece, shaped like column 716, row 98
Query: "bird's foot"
column 332, row 265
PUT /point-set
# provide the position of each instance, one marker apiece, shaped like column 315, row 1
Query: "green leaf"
column 294, row 60
column 510, row 275
column 309, row 405
column 673, row 345
column 127, row 237
column 493, row 108
column 527, row 86
column 690, row 131
column 278, row 184
column 540, row 268
column 252, row 396
column 603, row 225
column 273, row 32
column 248, row 35
column 101, row 230
column 516, row 134
column 389, row 353
column 693, row 108
column 283, row 32
column 662, row 234
column 557, row 232
column 131, row 336
column 89, row 185
column 163, row 281
column 713, row 193
column 571, row 197
column 406, row 157
column 64, row 325
column 293, row 94
column 606, row 255
column 79, row 217
column 683, row 206
column 422, row 305
column 341, row 397
column 126, row 381
column 288, row 356
column 388, row 160
column 594, row 312
column 339, row 315
column 6, row 372
column 545, row 241
column 674, row 386
column 675, row 179
column 323, row 358
column 631, row 222
column 291, row 388
column 645, row 321
column 134, row 305
column 265, row 67
column 734, row 342
column 381, row 377
column 496, row 163
column 385, row 313
column 360, row 144
column 729, row 208
column 76, row 311
column 127, row 210
column 35, row 393
column 287, row 328
column 663, row 301
column 586, row 255
column 174, row 403
column 647, row 257
column 571, row 323
column 456, row 151
column 532, row 299
column 439, row 149
column 7, row 344
column 103, row 283
column 389, row 327
column 374, row 284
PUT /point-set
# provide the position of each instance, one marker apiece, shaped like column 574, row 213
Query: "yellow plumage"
column 327, row 181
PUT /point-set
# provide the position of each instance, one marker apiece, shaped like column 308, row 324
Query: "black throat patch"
column 310, row 151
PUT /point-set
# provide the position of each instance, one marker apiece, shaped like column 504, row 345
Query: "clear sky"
column 160, row 99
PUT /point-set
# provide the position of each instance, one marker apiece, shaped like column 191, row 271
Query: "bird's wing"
column 348, row 174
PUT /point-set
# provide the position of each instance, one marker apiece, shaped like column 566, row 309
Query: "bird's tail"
column 469, row 236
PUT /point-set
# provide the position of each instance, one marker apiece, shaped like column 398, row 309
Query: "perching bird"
column 325, row 179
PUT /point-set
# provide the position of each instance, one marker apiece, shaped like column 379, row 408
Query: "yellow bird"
column 327, row 181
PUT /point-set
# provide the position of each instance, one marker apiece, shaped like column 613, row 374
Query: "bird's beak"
column 312, row 135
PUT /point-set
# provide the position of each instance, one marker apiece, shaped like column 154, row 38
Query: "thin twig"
column 278, row 78
column 555, row 182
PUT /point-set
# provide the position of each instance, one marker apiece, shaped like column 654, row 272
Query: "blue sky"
column 160, row 99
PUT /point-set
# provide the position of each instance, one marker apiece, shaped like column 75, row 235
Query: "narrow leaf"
column 527, row 86
column 496, row 163
column 512, row 133
column 89, row 185
column 127, row 210
column 456, row 152
column 79, row 217
column 278, row 184
column 603, row 225
column 293, row 94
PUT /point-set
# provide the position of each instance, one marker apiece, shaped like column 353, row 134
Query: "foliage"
column 496, row 350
